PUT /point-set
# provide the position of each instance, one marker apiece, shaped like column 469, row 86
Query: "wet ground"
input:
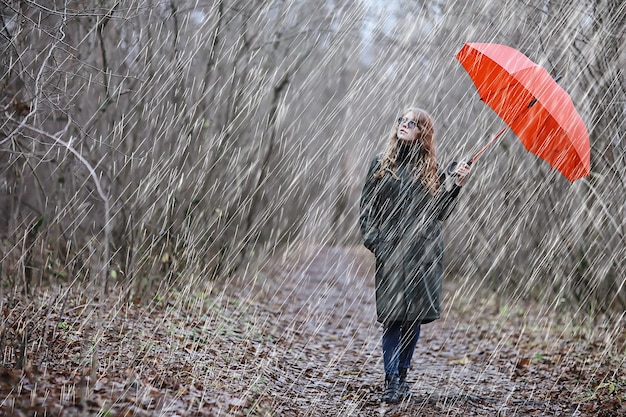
column 299, row 339
column 476, row 361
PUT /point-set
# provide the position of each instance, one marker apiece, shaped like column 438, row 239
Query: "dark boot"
column 390, row 395
column 403, row 386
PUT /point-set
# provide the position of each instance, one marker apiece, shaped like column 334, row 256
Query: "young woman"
column 404, row 201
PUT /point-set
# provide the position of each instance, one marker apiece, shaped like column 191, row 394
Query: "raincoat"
column 401, row 223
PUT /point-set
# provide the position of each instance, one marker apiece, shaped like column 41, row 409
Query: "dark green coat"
column 401, row 224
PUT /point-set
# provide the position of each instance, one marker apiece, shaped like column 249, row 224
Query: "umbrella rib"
column 493, row 93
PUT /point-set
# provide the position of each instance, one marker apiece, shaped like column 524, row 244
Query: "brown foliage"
column 302, row 341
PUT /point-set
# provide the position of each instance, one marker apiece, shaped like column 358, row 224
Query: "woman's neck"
column 407, row 152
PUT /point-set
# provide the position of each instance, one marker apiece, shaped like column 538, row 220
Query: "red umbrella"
column 531, row 103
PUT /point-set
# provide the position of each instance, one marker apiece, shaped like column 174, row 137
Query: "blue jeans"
column 399, row 341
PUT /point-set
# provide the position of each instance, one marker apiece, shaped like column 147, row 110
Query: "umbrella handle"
column 473, row 159
column 453, row 164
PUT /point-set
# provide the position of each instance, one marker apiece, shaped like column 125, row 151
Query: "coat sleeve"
column 447, row 197
column 368, row 219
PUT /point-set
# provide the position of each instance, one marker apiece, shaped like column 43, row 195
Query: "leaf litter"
column 300, row 339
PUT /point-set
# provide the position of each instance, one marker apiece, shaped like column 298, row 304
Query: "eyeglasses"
column 411, row 124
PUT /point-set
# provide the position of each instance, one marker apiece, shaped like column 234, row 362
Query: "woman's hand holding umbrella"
column 461, row 173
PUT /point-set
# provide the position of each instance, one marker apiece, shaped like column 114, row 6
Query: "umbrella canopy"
column 531, row 103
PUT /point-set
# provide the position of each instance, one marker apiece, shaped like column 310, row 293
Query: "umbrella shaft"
column 495, row 138
column 484, row 148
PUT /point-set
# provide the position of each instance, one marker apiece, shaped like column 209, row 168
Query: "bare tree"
column 163, row 143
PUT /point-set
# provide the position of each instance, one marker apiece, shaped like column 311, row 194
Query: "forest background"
column 156, row 153
column 155, row 144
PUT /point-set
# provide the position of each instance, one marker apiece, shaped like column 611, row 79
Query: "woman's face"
column 407, row 127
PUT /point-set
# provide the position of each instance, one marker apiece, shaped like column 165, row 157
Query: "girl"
column 403, row 203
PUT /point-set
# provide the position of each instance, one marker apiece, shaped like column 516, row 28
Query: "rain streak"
column 181, row 202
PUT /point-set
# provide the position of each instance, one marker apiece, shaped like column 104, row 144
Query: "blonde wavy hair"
column 424, row 163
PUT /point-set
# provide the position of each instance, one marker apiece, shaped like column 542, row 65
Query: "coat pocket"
column 431, row 244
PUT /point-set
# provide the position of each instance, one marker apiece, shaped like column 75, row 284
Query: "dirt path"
column 474, row 361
